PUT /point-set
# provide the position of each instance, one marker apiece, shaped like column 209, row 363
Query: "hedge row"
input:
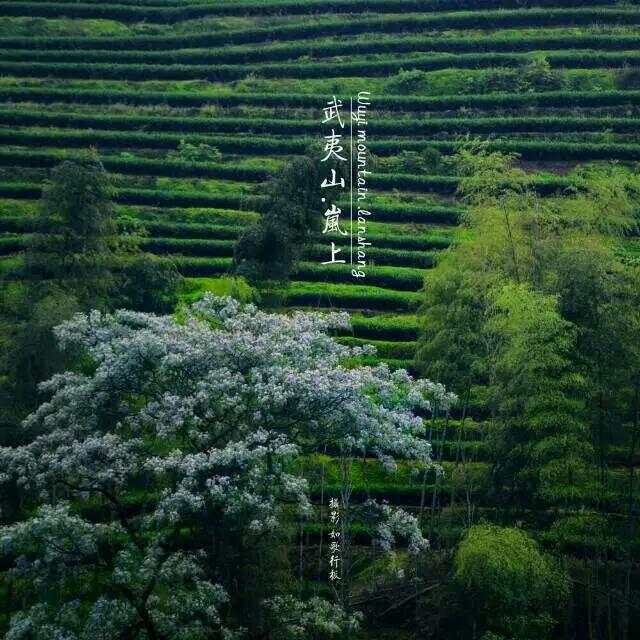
column 419, row 241
column 384, row 348
column 125, row 139
column 154, row 197
column 190, row 247
column 149, row 197
column 283, row 52
column 395, row 328
column 529, row 149
column 242, row 7
column 26, row 224
column 490, row 19
column 578, row 99
column 163, row 232
column 588, row 59
column 168, row 230
column 137, row 166
column 160, row 198
column 200, row 267
column 178, row 230
column 393, row 278
column 434, row 214
column 280, row 126
column 348, row 296
column 379, row 255
column 447, row 185
column 166, row 10
column 143, row 166
column 20, row 191
column 208, row 247
column 171, row 230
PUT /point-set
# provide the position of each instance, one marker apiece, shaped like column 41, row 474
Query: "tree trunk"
column 631, row 515
column 589, row 599
column 459, row 446
column 320, row 542
column 345, row 533
column 436, row 484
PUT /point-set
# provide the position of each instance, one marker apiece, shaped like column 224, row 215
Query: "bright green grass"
column 195, row 288
column 344, row 295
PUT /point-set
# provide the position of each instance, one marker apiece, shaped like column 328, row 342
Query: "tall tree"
column 76, row 260
column 202, row 415
column 551, row 357
column 269, row 249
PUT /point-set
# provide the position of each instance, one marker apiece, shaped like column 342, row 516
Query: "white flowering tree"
column 172, row 443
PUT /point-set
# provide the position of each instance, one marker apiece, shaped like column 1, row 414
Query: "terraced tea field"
column 193, row 105
column 249, row 78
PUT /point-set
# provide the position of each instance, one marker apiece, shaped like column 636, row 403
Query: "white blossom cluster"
column 298, row 620
column 204, row 411
column 397, row 523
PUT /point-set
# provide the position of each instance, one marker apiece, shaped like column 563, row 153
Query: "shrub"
column 201, row 152
column 514, row 589
column 539, row 76
column 407, row 82
column 432, row 160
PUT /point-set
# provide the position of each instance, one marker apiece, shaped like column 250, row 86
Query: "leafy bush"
column 407, row 82
column 515, row 590
column 539, row 76
column 481, row 100
column 188, row 152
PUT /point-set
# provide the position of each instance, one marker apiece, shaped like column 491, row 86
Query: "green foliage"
column 386, row 327
column 515, row 590
column 265, row 145
column 428, row 159
column 190, row 246
column 180, row 98
column 188, row 152
column 269, row 249
column 347, row 295
column 78, row 197
column 407, row 82
column 628, row 78
column 474, row 19
column 148, row 283
column 75, row 261
column 221, row 73
column 164, row 12
column 543, row 445
column 385, row 349
column 538, row 75
column 266, row 251
column 530, row 315
column 533, row 318
column 78, row 234
column 30, row 354
column 225, row 286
